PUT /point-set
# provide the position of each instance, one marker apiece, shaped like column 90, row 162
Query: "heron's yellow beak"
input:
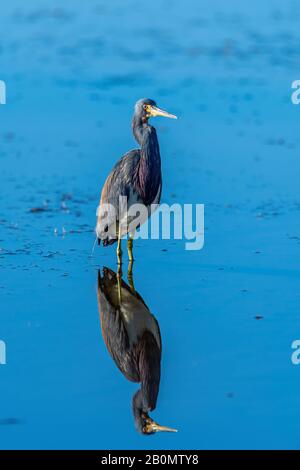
column 157, row 428
column 154, row 111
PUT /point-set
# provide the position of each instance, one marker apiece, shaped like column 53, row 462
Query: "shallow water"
column 228, row 313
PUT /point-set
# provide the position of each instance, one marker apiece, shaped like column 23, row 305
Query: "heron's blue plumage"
column 136, row 176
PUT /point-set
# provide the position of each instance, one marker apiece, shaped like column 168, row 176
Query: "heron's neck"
column 149, row 172
column 149, row 372
column 150, row 154
column 138, row 127
column 140, row 406
column 139, row 403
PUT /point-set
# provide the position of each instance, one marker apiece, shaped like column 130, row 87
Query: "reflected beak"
column 157, row 428
column 160, row 112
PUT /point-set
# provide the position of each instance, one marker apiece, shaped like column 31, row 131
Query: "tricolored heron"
column 137, row 176
column 132, row 336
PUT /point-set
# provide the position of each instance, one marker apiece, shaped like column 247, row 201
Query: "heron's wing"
column 113, row 329
column 148, row 356
column 158, row 333
column 120, row 182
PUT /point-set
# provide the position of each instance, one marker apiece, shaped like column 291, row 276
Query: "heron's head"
column 146, row 425
column 147, row 108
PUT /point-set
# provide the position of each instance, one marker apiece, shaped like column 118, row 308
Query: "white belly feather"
column 137, row 318
column 134, row 218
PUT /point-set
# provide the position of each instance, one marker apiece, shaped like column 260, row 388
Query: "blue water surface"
column 228, row 313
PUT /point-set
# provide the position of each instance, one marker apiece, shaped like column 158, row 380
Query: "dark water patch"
column 105, row 83
column 38, row 210
column 39, row 15
column 50, row 254
column 9, row 421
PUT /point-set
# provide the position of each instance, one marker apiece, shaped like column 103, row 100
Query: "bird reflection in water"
column 132, row 336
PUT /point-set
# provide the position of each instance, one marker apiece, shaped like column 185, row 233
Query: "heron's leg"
column 129, row 248
column 119, row 251
column 130, row 275
column 119, row 279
